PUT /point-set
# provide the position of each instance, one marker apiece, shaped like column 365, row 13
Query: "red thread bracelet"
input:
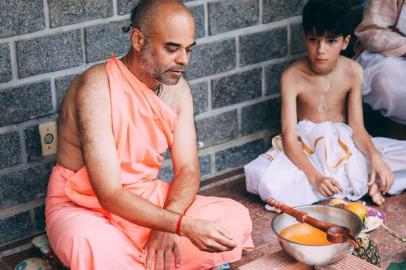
column 179, row 223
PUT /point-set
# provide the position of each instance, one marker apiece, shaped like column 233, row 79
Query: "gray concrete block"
column 24, row 185
column 228, row 15
column 49, row 53
column 211, row 58
column 217, row 129
column 104, row 39
column 263, row 46
column 15, row 227
column 198, row 15
column 200, row 94
column 275, row 10
column 296, row 39
column 21, row 17
column 39, row 214
column 273, row 75
column 33, row 143
column 75, row 11
column 240, row 155
column 61, row 85
column 260, row 116
column 5, row 63
column 236, row 88
column 167, row 154
column 25, row 102
column 126, row 6
column 166, row 173
column 10, row 153
column 205, row 165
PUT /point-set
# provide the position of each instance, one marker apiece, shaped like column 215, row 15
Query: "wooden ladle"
column 335, row 233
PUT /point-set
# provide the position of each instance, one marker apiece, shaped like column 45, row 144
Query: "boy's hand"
column 327, row 186
column 381, row 169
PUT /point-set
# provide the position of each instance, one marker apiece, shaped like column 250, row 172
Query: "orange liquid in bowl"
column 303, row 233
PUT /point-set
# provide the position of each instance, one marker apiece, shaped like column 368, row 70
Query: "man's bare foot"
column 376, row 195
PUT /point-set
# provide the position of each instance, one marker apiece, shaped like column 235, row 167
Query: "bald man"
column 105, row 207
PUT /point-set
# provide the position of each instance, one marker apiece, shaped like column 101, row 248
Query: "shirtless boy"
column 324, row 149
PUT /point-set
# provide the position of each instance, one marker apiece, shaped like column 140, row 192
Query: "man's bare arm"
column 98, row 146
column 185, row 183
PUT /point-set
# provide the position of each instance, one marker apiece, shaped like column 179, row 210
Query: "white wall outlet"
column 49, row 139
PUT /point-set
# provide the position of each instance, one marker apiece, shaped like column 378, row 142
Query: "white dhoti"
column 384, row 86
column 330, row 148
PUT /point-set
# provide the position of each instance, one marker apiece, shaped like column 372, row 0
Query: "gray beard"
column 155, row 73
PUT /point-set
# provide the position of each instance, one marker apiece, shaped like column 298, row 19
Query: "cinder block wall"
column 242, row 48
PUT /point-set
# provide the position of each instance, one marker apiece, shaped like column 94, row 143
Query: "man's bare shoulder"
column 178, row 96
column 95, row 75
column 180, row 89
column 92, row 84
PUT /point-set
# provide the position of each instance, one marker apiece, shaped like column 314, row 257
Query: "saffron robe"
column 85, row 236
column 331, row 150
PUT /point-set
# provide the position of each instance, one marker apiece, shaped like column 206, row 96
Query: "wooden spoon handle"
column 300, row 216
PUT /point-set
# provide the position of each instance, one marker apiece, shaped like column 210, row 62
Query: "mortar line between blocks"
column 47, row 17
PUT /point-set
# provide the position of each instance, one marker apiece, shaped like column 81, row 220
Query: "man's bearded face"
column 156, row 66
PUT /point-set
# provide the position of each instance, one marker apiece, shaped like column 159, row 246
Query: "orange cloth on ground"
column 85, row 236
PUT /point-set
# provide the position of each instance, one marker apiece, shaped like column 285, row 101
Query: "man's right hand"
column 207, row 236
column 327, row 186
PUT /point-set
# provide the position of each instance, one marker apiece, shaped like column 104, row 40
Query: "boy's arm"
column 292, row 146
column 360, row 135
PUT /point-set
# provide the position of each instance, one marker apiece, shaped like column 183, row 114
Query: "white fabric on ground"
column 330, row 148
column 384, row 85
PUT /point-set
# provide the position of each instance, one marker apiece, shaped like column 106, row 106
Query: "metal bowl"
column 315, row 254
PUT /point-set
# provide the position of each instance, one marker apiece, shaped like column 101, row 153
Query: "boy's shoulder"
column 350, row 66
column 349, row 61
column 295, row 68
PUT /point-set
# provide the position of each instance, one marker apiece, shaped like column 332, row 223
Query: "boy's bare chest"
column 314, row 93
column 316, row 97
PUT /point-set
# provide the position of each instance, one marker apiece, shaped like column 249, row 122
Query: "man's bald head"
column 146, row 11
column 162, row 38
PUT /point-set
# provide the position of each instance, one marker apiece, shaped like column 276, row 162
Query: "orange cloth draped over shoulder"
column 85, row 236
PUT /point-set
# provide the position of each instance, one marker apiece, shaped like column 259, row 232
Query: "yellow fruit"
column 357, row 208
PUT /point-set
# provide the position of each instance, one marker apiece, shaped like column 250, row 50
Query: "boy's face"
column 323, row 51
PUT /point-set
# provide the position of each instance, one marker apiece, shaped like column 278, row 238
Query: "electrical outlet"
column 49, row 140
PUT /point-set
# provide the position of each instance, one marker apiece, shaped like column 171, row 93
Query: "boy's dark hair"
column 327, row 17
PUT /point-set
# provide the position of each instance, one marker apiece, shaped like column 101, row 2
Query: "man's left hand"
column 159, row 249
